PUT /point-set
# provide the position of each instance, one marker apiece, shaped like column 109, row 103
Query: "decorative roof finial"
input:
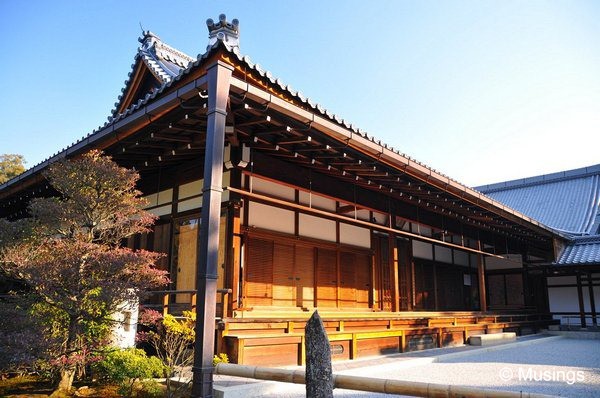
column 224, row 31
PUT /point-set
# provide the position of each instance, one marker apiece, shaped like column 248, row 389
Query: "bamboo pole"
column 370, row 384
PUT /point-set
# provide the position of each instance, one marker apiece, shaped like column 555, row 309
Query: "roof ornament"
column 148, row 38
column 223, row 31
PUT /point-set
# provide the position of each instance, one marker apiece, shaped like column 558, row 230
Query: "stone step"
column 492, row 338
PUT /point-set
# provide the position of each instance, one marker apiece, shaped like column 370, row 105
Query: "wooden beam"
column 175, row 138
column 367, row 224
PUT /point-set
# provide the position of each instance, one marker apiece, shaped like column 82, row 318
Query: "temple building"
column 288, row 208
column 568, row 202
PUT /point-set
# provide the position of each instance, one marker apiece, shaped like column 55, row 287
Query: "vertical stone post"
column 319, row 376
column 219, row 75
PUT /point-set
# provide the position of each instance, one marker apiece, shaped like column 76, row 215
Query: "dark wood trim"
column 218, row 79
column 592, row 300
column 581, row 303
column 482, row 283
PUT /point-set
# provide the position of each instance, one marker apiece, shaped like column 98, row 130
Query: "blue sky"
column 482, row 91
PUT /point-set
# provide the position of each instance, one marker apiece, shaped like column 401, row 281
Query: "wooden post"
column 394, row 271
column 193, row 301
column 218, row 74
column 581, row 304
column 166, row 304
column 481, row 279
column 236, row 253
column 592, row 299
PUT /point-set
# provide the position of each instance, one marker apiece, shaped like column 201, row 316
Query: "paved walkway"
column 536, row 364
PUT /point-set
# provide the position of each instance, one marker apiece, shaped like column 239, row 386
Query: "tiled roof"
column 248, row 65
column 581, row 251
column 245, row 60
column 568, row 201
column 162, row 60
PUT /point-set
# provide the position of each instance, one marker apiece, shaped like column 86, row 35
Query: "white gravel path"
column 561, row 367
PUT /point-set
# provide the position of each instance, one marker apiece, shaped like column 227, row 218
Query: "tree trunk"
column 66, row 380
column 67, row 374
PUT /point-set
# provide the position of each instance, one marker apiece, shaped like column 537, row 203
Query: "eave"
column 255, row 95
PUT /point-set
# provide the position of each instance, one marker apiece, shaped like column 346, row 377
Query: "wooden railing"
column 168, row 306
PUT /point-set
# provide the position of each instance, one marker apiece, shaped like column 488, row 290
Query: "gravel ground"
column 562, row 367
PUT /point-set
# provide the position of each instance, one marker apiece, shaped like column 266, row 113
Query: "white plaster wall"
column 422, row 250
column 190, row 189
column 380, row 218
column 364, row 215
column 461, row 258
column 159, row 198
column 443, row 254
column 270, row 188
column 356, row 236
column 315, row 227
column 501, row 263
column 161, row 211
column 316, row 201
column 271, row 218
column 189, row 204
column 563, row 299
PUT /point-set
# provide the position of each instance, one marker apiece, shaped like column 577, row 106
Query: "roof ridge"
column 572, row 174
column 151, row 51
column 173, row 51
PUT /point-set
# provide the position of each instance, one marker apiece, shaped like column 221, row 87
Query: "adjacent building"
column 568, row 202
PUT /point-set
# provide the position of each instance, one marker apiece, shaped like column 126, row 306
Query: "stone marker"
column 319, row 376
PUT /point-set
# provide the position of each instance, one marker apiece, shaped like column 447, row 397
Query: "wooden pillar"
column 412, row 293
column 236, row 253
column 481, row 279
column 394, row 272
column 592, row 299
column 581, row 304
column 218, row 74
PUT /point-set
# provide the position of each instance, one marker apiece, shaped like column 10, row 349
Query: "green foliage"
column 68, row 255
column 127, row 366
column 150, row 389
column 173, row 340
column 183, row 327
column 221, row 358
column 11, row 165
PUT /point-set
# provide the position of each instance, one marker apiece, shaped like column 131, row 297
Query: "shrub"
column 127, row 366
column 173, row 340
column 221, row 358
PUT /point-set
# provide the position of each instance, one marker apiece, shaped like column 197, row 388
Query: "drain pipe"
column 371, row 384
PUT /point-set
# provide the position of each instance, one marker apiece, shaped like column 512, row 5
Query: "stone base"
column 492, row 338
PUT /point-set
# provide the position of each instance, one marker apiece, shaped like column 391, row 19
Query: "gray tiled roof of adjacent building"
column 581, row 251
column 568, row 201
